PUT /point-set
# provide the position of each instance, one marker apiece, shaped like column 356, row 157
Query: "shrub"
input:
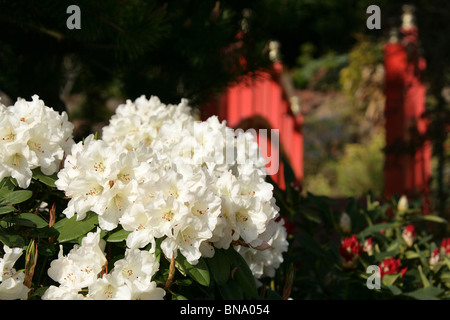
column 161, row 207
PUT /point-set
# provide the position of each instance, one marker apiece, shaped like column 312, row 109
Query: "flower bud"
column 350, row 250
column 368, row 246
column 402, row 204
column 409, row 235
column 435, row 258
column 345, row 223
column 445, row 247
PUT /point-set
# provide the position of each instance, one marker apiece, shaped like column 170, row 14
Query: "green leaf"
column 231, row 290
column 380, row 256
column 389, row 279
column 60, row 223
column 432, row 218
column 376, row 228
column 28, row 220
column 411, row 255
column 395, row 290
column 118, row 236
column 11, row 238
column 242, row 273
column 445, row 277
column 15, row 197
column 47, row 180
column 73, row 229
column 198, row 272
column 6, row 209
column 219, row 265
column 6, row 186
column 425, row 281
column 47, row 250
column 176, row 296
column 428, row 293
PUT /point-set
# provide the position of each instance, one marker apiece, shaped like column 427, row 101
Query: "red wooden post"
column 407, row 167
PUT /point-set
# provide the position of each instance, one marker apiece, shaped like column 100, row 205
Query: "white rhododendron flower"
column 140, row 121
column 159, row 173
column 81, row 266
column 11, row 281
column 100, row 178
column 84, row 269
column 32, row 135
column 263, row 263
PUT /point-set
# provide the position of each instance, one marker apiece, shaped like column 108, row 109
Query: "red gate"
column 265, row 100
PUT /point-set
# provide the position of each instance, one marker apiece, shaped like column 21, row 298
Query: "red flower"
column 391, row 266
column 445, row 247
column 350, row 250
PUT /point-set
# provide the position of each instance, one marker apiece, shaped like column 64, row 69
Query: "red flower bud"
column 445, row 247
column 435, row 258
column 409, row 235
column 368, row 246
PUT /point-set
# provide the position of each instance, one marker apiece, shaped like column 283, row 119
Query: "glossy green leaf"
column 60, row 223
column 428, row 293
column 395, row 290
column 28, row 220
column 118, row 236
column 73, row 229
column 389, row 279
column 47, row 180
column 6, row 209
column 176, row 296
column 198, row 272
column 11, row 238
column 219, row 266
column 242, row 273
column 6, row 186
column 15, row 197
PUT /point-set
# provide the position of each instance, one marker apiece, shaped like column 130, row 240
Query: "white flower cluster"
column 11, row 281
column 263, row 263
column 158, row 173
column 81, row 274
column 32, row 135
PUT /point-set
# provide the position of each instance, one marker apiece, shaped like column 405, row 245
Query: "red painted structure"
column 262, row 101
column 407, row 168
